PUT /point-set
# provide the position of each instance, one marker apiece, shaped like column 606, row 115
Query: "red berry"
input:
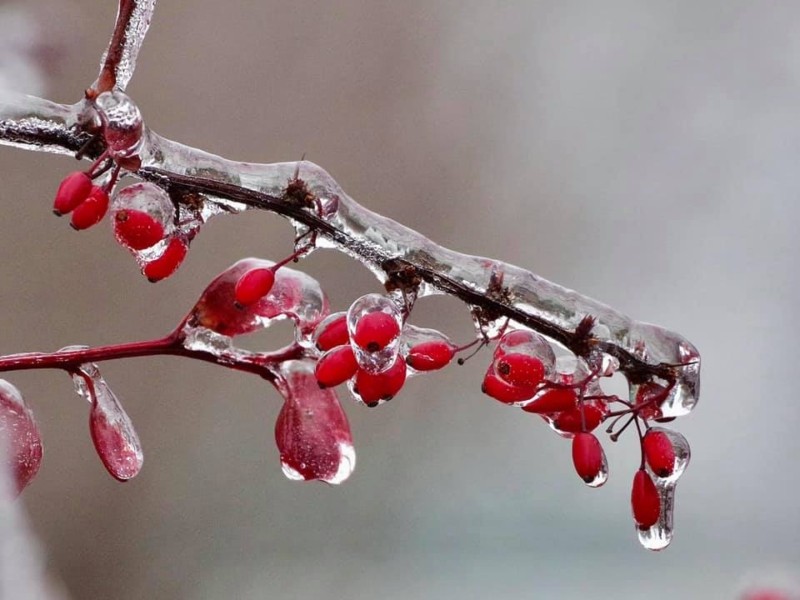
column 336, row 366
column 137, row 230
column 587, row 456
column 383, row 386
column 375, row 331
column 253, row 286
column 333, row 333
column 74, row 189
column 645, row 501
column 521, row 370
column 91, row 211
column 166, row 264
column 570, row 421
column 552, row 401
column 659, row 453
column 430, row 356
column 504, row 392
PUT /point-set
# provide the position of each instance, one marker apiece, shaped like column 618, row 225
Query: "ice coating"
column 373, row 239
column 294, row 295
column 659, row 535
column 312, row 431
column 122, row 123
column 19, row 434
column 602, row 475
column 114, row 437
column 126, row 50
column 377, row 361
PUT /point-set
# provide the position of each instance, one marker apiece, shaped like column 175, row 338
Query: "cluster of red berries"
column 87, row 202
column 369, row 349
column 373, row 333
column 140, row 228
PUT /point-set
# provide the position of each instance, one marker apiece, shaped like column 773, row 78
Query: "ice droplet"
column 147, row 198
column 659, row 535
column 414, row 336
column 122, row 123
column 529, row 343
column 113, row 435
column 380, row 360
column 602, row 475
column 312, row 431
column 19, row 434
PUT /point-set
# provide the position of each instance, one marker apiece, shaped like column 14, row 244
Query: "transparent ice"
column 312, row 431
column 659, row 535
column 381, row 360
column 115, row 439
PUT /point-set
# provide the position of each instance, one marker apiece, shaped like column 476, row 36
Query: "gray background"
column 644, row 153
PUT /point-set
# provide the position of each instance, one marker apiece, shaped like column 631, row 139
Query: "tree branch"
column 303, row 192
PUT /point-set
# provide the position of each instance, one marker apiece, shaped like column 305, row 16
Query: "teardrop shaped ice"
column 312, row 431
column 122, row 123
column 659, row 535
column 19, row 434
column 142, row 215
column 113, row 435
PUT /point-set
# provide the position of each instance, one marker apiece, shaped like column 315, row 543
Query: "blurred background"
column 643, row 153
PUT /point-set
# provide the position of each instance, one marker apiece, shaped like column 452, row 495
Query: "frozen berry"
column 521, row 370
column 659, row 453
column 137, row 230
column 383, row 386
column 336, row 366
column 376, row 330
column 254, row 285
column 74, row 189
column 587, row 456
column 91, row 211
column 166, row 264
column 430, row 356
column 504, row 392
column 330, row 334
column 645, row 501
column 553, row 400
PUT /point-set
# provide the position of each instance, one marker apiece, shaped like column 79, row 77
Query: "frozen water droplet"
column 312, row 432
column 122, row 123
column 602, row 475
column 570, row 369
column 529, row 343
column 662, row 346
column 89, row 369
column 294, row 295
column 145, row 198
column 114, row 437
column 659, row 535
column 380, row 360
column 414, row 336
column 680, row 446
column 19, row 434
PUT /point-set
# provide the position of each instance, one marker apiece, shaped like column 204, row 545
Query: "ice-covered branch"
column 119, row 60
column 496, row 292
column 373, row 347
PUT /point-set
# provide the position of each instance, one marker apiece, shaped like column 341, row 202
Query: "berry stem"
column 172, row 345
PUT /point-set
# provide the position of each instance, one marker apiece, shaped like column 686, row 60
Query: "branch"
column 119, row 60
column 400, row 257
